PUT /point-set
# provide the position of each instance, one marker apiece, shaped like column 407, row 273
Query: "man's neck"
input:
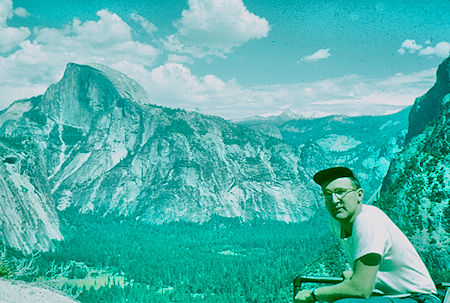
column 346, row 230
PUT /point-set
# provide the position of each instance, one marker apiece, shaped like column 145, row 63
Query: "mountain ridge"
column 416, row 190
column 105, row 150
column 106, row 153
column 367, row 144
column 427, row 107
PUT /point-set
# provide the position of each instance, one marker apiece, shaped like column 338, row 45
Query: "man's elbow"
column 363, row 292
column 366, row 294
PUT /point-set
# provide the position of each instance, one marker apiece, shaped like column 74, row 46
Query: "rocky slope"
column 20, row 292
column 28, row 219
column 416, row 190
column 366, row 144
column 429, row 106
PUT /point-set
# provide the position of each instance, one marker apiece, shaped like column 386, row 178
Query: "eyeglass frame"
column 328, row 196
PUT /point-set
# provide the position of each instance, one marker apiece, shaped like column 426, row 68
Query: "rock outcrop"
column 28, row 218
column 12, row 291
column 429, row 106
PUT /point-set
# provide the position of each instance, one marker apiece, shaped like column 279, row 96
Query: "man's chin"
column 341, row 216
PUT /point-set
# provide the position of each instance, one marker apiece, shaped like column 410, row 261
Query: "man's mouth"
column 338, row 210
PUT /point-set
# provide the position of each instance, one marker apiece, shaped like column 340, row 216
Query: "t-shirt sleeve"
column 371, row 235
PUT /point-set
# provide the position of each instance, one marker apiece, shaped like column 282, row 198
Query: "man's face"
column 342, row 199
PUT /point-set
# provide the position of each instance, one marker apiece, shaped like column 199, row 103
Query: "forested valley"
column 223, row 260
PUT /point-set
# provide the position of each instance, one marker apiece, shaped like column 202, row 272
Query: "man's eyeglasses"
column 339, row 193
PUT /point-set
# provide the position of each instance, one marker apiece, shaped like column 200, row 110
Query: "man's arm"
column 360, row 285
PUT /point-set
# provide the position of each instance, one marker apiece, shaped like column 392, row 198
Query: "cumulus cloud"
column 440, row 50
column 319, row 55
column 6, row 11
column 174, row 85
column 10, row 37
column 40, row 60
column 214, row 28
column 409, row 46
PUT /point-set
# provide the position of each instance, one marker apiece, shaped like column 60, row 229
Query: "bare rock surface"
column 12, row 291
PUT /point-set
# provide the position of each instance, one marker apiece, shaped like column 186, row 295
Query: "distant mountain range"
column 367, row 144
column 94, row 143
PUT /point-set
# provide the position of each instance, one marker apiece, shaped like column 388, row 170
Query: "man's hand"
column 358, row 285
column 304, row 296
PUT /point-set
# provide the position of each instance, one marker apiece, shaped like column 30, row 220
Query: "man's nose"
column 335, row 198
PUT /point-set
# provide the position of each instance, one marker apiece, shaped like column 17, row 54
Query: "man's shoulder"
column 370, row 210
column 372, row 217
column 372, row 214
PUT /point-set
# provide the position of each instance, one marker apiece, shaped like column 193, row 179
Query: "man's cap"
column 325, row 176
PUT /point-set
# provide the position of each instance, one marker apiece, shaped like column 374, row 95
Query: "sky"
column 234, row 58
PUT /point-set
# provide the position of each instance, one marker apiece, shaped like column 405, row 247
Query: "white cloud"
column 40, row 60
column 10, row 37
column 21, row 12
column 441, row 50
column 214, row 28
column 174, row 85
column 409, row 46
column 36, row 61
column 109, row 30
column 172, row 58
column 413, row 79
column 319, row 55
column 144, row 23
column 6, row 11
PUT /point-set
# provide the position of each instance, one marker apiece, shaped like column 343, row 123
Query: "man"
column 386, row 267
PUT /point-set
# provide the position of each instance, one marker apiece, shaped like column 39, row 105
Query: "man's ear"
column 360, row 194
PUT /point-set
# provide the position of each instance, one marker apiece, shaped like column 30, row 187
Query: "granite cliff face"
column 416, row 190
column 28, row 218
column 429, row 106
column 99, row 149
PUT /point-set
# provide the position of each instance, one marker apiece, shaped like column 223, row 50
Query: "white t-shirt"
column 401, row 270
